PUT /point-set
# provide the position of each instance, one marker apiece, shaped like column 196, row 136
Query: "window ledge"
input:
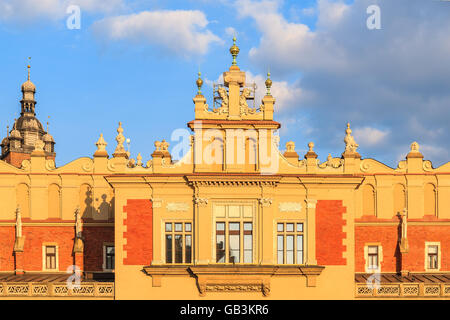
column 233, row 278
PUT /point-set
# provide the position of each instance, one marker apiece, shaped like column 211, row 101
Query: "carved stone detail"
column 177, row 206
column 265, row 202
column 201, row 201
column 290, row 206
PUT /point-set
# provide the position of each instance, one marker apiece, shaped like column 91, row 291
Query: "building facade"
column 235, row 218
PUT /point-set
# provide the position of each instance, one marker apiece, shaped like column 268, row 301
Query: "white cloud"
column 368, row 136
column 181, row 32
column 28, row 11
column 230, row 31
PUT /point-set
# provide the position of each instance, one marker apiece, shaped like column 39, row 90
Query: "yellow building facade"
column 236, row 218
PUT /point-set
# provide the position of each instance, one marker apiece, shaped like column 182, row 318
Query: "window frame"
column 367, row 259
column 438, row 255
column 285, row 234
column 173, row 233
column 105, row 266
column 242, row 219
column 44, row 257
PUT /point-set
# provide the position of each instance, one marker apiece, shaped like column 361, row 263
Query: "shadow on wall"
column 105, row 209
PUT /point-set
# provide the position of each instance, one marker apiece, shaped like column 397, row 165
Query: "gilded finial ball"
column 199, row 82
column 234, row 50
column 268, row 81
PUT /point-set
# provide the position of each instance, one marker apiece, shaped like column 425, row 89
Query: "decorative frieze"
column 177, row 206
column 290, row 207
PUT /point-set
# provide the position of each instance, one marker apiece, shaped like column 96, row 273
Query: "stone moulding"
column 229, row 278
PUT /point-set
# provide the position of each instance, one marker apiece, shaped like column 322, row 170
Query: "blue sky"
column 137, row 62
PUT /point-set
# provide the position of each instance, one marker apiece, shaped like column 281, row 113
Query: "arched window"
column 23, row 199
column 430, row 200
column 368, row 192
column 54, row 201
column 86, row 201
column 399, row 198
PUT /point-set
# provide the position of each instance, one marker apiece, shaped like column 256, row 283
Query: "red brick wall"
column 139, row 235
column 15, row 158
column 414, row 260
column 387, row 236
column 63, row 237
column 94, row 237
column 7, row 238
column 36, row 236
column 329, row 234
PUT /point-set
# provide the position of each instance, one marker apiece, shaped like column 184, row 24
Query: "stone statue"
column 224, row 96
column 78, row 223
column 243, row 105
column 350, row 143
column 18, row 223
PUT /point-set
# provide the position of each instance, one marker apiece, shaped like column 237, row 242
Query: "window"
column 109, row 253
column 290, row 243
column 50, row 257
column 178, row 238
column 432, row 256
column 234, row 242
column 372, row 255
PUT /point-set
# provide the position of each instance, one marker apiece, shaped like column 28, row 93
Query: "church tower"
column 26, row 131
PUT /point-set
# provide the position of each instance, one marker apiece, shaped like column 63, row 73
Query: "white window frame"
column 44, row 257
column 108, row 244
column 366, row 257
column 173, row 232
column 428, row 244
column 295, row 233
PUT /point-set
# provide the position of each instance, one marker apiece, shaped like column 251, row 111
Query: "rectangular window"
column 290, row 243
column 433, row 257
column 50, row 257
column 109, row 257
column 234, row 242
column 372, row 255
column 178, row 237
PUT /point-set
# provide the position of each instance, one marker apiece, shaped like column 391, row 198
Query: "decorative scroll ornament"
column 50, row 164
column 88, row 165
column 26, row 165
column 364, row 166
column 427, row 166
column 265, row 202
column 101, row 144
column 18, row 223
column 350, row 143
column 401, row 165
column 177, row 206
column 290, row 206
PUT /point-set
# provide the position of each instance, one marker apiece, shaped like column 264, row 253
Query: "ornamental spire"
column 234, row 50
column 268, row 84
column 199, row 83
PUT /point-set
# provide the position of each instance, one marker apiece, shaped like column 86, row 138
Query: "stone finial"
column 310, row 153
column 157, row 145
column 290, row 146
column 329, row 158
column 101, row 147
column 350, row 143
column 199, row 83
column 414, row 151
column 164, row 146
column 78, row 223
column 120, row 149
column 268, row 84
column 415, row 147
column 18, row 223
column 139, row 160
